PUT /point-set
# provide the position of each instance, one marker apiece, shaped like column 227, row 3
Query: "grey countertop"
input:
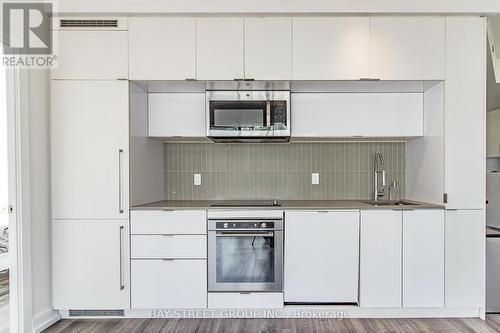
column 285, row 205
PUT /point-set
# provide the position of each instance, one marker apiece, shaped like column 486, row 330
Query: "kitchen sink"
column 391, row 203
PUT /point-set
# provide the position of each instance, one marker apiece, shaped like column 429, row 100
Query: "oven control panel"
column 244, row 225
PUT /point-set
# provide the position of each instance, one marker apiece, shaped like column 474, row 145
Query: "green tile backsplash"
column 279, row 171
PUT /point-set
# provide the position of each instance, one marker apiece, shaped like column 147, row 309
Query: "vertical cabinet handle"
column 120, row 181
column 122, row 286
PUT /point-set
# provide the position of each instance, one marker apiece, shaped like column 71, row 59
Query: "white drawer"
column 155, row 222
column 167, row 284
column 245, row 300
column 168, row 246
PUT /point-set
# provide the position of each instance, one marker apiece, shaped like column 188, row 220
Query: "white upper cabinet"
column 162, row 48
column 407, row 48
column 465, row 112
column 333, row 48
column 357, row 114
column 89, row 146
column 268, row 48
column 91, row 55
column 219, row 48
column 176, row 114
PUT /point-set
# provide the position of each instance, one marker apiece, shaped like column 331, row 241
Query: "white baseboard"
column 299, row 311
column 45, row 320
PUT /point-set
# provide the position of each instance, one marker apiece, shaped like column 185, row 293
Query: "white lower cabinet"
column 423, row 258
column 465, row 237
column 90, row 264
column 380, row 258
column 321, row 256
column 166, row 284
column 169, row 259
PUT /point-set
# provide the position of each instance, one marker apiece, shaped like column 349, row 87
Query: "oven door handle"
column 246, row 234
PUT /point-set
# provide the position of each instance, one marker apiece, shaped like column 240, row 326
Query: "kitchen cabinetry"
column 357, row 114
column 169, row 259
column 464, row 270
column 91, row 55
column 380, row 258
column 321, row 256
column 164, row 284
column 89, row 141
column 219, row 48
column 268, row 48
column 465, row 112
column 493, row 133
column 333, row 48
column 407, row 48
column 90, row 264
column 176, row 114
column 423, row 258
column 162, row 48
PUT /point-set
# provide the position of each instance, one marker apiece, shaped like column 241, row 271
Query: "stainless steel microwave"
column 256, row 116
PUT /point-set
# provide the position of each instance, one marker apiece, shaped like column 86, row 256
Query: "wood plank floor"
column 4, row 302
column 491, row 325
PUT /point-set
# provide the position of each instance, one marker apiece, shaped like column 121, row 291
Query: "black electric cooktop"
column 246, row 203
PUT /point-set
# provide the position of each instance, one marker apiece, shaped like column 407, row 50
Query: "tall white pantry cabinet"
column 464, row 155
column 90, row 170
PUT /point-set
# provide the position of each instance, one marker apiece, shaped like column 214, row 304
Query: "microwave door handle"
column 268, row 113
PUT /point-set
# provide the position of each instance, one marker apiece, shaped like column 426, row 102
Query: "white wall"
column 492, row 88
column 3, row 150
column 40, row 192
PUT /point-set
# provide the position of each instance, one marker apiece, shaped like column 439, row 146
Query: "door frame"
column 18, row 152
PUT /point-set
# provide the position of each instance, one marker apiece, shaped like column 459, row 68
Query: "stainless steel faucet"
column 378, row 169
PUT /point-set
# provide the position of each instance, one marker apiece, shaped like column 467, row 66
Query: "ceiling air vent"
column 88, row 23
column 96, row 313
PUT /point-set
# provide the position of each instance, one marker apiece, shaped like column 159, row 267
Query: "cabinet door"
column 333, row 48
column 91, row 55
column 268, row 48
column 407, row 48
column 89, row 140
column 465, row 237
column 176, row 114
column 166, row 284
column 357, row 114
column 219, row 48
column 322, row 256
column 465, row 112
column 162, row 48
column 423, row 258
column 90, row 264
column 380, row 258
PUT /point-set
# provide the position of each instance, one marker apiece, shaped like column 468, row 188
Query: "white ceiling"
column 279, row 6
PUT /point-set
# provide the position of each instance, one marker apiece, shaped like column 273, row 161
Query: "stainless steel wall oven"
column 245, row 253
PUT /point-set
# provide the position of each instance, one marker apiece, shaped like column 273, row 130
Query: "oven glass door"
column 246, row 261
